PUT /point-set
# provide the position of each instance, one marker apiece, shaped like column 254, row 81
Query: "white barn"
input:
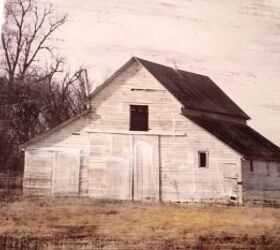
column 154, row 133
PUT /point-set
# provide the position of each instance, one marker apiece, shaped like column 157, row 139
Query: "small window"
column 251, row 166
column 202, row 159
column 139, row 117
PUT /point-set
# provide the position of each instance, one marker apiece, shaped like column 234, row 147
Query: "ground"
column 89, row 224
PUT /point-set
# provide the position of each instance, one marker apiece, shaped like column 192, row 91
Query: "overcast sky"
column 1, row 13
column 235, row 42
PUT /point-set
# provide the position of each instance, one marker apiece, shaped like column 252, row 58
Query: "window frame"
column 199, row 152
column 130, row 117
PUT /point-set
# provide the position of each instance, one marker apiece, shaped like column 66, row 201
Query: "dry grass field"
column 88, row 224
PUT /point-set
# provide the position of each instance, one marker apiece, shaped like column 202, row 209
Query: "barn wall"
column 179, row 139
column 37, row 172
column 262, row 185
column 69, row 138
column 183, row 180
column 112, row 157
column 134, row 86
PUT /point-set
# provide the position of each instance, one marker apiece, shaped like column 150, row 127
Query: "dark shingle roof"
column 242, row 138
column 194, row 91
column 199, row 92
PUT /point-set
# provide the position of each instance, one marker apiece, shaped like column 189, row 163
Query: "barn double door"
column 52, row 172
column 124, row 166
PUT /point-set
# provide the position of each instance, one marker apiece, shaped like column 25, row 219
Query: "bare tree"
column 36, row 92
column 26, row 36
column 65, row 97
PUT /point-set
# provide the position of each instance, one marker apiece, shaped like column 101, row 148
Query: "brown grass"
column 88, row 218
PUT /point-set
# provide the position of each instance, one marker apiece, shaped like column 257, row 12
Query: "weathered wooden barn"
column 154, row 133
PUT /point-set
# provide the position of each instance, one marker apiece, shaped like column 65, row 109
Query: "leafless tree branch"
column 26, row 34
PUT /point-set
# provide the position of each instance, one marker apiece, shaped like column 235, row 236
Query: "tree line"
column 36, row 91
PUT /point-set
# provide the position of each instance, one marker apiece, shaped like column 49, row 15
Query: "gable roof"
column 194, row 91
column 242, row 138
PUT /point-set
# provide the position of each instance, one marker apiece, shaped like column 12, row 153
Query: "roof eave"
column 44, row 134
column 246, row 118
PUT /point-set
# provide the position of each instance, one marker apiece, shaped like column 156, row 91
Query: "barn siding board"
column 66, row 173
column 38, row 172
column 107, row 163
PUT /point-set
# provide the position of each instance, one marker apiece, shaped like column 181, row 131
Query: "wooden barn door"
column 65, row 175
column 230, row 181
column 146, row 168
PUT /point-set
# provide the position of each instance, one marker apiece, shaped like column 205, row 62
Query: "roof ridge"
column 165, row 66
column 194, row 90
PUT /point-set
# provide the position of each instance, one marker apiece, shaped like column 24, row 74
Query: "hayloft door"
column 65, row 174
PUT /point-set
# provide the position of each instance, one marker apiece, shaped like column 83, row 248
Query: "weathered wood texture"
column 123, row 167
column 181, row 179
column 38, row 172
column 262, row 185
column 52, row 172
column 60, row 140
column 65, row 173
column 161, row 164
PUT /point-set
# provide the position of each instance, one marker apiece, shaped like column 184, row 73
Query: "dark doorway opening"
column 139, row 118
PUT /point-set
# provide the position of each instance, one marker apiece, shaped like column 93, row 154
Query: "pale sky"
column 1, row 13
column 234, row 42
